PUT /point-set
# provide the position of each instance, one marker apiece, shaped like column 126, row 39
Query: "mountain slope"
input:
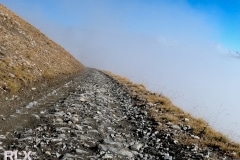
column 88, row 114
column 98, row 118
column 27, row 56
column 189, row 131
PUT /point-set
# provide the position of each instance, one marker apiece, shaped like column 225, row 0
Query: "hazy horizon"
column 178, row 48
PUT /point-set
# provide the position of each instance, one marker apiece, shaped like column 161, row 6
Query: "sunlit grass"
column 27, row 56
column 163, row 111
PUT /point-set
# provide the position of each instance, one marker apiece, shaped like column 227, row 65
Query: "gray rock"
column 59, row 114
column 74, row 119
column 48, row 153
column 107, row 156
column 32, row 104
column 58, row 155
column 176, row 127
column 36, row 116
column 102, row 147
column 2, row 137
column 167, row 157
column 56, row 139
column 79, row 151
column 78, row 127
column 82, row 99
column 195, row 137
column 82, row 137
column 67, row 156
column 59, row 120
column 62, row 136
column 137, row 146
column 126, row 153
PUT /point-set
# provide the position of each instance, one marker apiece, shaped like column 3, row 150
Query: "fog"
column 170, row 48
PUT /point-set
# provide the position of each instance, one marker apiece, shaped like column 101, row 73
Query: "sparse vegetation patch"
column 166, row 114
column 27, row 56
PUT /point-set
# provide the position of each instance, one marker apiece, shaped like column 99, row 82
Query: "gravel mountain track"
column 91, row 117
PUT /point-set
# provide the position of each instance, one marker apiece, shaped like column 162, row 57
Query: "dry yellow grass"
column 27, row 56
column 163, row 111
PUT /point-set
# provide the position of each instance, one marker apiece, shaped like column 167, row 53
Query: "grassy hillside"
column 163, row 112
column 27, row 56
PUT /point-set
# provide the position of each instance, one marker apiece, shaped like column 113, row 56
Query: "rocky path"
column 98, row 120
column 88, row 124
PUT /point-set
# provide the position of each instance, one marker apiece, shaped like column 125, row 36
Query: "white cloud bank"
column 171, row 48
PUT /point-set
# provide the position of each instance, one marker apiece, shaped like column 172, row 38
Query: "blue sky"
column 180, row 48
column 141, row 15
column 226, row 14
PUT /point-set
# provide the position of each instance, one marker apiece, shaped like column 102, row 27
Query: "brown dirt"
column 10, row 107
column 27, row 56
column 31, row 65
